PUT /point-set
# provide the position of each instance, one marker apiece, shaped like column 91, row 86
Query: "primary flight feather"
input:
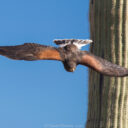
column 69, row 53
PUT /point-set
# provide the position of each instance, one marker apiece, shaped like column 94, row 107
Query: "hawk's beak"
column 73, row 69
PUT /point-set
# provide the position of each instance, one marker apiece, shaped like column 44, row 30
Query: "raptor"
column 68, row 53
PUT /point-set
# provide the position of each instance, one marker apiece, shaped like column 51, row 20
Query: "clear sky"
column 41, row 94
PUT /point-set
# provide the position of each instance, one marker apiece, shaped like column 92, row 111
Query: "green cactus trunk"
column 108, row 96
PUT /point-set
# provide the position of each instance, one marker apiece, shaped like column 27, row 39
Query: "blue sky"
column 42, row 94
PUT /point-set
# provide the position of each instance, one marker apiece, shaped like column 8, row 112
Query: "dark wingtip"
column 114, row 70
column 2, row 51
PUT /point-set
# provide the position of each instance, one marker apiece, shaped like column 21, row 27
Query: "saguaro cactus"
column 108, row 96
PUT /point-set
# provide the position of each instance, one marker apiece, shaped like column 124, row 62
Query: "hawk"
column 68, row 53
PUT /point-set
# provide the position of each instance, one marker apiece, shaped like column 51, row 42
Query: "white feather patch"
column 78, row 43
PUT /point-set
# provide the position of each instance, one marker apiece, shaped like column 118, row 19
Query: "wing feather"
column 102, row 66
column 30, row 51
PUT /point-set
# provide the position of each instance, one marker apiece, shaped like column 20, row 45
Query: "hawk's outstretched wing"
column 30, row 51
column 102, row 66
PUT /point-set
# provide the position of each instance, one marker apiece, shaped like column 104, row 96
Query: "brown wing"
column 102, row 66
column 30, row 51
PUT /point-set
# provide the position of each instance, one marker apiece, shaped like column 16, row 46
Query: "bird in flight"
column 68, row 53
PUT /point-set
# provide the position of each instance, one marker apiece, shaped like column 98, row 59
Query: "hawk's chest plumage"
column 71, row 57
